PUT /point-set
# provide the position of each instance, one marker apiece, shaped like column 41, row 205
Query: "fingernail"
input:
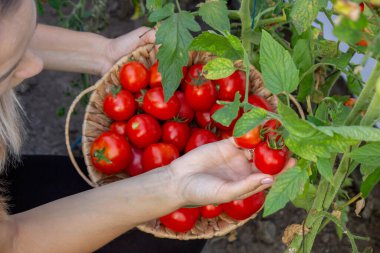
column 267, row 180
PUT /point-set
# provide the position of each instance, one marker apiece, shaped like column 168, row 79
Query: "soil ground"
column 43, row 95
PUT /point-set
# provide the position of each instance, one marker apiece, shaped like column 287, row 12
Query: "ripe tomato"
column 110, row 153
column 154, row 104
column 185, row 114
column 143, row 130
column 135, row 168
column 270, row 129
column 269, row 161
column 216, row 107
column 230, row 85
column 249, row 139
column 181, row 220
column 258, row 101
column 244, row 208
column 350, row 102
column 200, row 93
column 119, row 127
column 134, row 76
column 203, row 119
column 362, row 43
column 176, row 133
column 361, row 7
column 200, row 137
column 192, row 74
column 120, row 105
column 211, row 211
column 158, row 155
column 155, row 79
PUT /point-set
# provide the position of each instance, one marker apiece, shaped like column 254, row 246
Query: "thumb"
column 251, row 184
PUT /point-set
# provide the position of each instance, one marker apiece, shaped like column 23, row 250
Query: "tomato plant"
column 110, row 153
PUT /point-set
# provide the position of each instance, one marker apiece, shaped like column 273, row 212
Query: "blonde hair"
column 11, row 128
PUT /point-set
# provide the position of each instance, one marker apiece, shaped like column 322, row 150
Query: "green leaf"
column 327, row 48
column 40, row 8
column 306, row 199
column 354, row 85
column 153, row 5
column 322, row 111
column 375, row 46
column 277, row 66
column 218, row 68
column 304, row 12
column 162, row 13
column 340, row 62
column 362, row 133
column 286, row 188
column 367, row 170
column 318, row 145
column 174, row 36
column 56, row 4
column 324, row 167
column 354, row 27
column 220, row 46
column 303, row 59
column 215, row 14
column 228, row 113
column 368, row 154
column 370, row 182
column 249, row 120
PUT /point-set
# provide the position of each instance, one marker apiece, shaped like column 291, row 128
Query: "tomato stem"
column 99, row 154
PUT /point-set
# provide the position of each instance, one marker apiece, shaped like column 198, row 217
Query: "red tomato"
column 200, row 93
column 211, row 211
column 269, row 128
column 230, row 85
column 134, row 76
column 361, row 6
column 155, row 79
column 154, row 104
column 176, row 133
column 143, row 130
column 226, row 134
column 269, row 161
column 181, row 220
column 350, row 102
column 258, row 101
column 200, row 137
column 119, row 127
column 249, row 139
column 245, row 208
column 119, row 106
column 203, row 119
column 139, row 97
column 110, row 153
column 185, row 114
column 135, row 168
column 362, row 43
column 216, row 107
column 158, row 155
column 193, row 73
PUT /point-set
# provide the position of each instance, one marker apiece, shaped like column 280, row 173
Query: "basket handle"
column 67, row 128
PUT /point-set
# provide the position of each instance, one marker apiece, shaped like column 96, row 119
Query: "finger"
column 259, row 189
column 249, row 184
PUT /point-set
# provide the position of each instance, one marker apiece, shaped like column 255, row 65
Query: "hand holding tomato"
column 216, row 173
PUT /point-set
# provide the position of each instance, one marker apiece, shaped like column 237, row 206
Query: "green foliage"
column 215, row 14
column 250, row 120
column 228, row 113
column 175, row 38
column 286, row 188
column 218, row 68
column 277, row 66
column 304, row 13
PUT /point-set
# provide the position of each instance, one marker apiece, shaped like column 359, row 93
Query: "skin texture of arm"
column 214, row 173
column 66, row 50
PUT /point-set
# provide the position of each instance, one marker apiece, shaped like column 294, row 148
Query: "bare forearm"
column 65, row 50
column 87, row 221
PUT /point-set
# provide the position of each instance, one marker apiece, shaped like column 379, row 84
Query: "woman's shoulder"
column 3, row 208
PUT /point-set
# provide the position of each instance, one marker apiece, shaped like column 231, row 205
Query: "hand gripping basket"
column 95, row 122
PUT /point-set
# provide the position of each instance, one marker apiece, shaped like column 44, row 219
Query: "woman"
column 214, row 173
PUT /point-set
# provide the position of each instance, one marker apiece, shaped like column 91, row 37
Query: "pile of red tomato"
column 148, row 132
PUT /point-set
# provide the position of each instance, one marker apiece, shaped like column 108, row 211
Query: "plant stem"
column 234, row 15
column 246, row 21
column 364, row 96
column 178, row 6
column 269, row 21
column 373, row 111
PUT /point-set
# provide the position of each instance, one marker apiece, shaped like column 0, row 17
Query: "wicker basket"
column 95, row 122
